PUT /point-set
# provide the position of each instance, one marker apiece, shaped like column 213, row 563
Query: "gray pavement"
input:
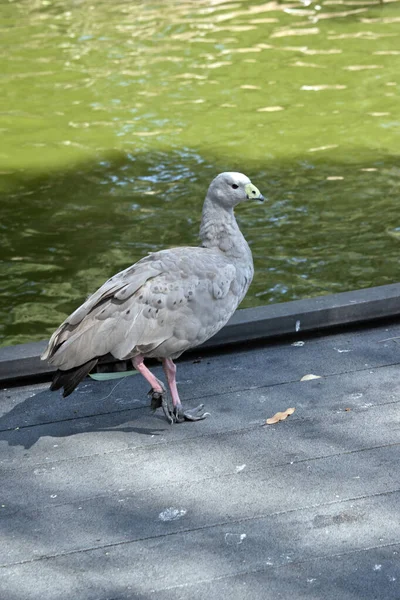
column 100, row 499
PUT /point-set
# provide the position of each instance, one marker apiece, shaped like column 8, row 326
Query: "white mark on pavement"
column 172, row 514
column 309, row 377
column 234, row 539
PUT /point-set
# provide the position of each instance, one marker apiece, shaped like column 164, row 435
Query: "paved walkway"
column 100, row 499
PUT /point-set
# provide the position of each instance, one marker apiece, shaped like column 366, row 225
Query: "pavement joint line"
column 74, row 418
column 266, row 568
column 216, row 434
column 228, row 432
column 289, row 382
column 225, row 475
column 230, row 523
column 234, row 474
column 215, row 395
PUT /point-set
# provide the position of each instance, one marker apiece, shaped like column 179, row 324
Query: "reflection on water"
column 115, row 116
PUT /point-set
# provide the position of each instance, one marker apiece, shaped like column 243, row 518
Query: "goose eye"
column 235, row 187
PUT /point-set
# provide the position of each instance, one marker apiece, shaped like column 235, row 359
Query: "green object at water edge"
column 116, row 375
column 114, row 117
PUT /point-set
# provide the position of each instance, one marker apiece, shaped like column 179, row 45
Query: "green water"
column 115, row 116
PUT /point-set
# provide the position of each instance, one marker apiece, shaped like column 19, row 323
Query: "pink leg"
column 170, row 372
column 179, row 415
column 138, row 363
column 158, row 396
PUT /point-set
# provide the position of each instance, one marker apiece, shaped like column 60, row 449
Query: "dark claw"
column 156, row 399
column 192, row 414
column 175, row 414
column 169, row 415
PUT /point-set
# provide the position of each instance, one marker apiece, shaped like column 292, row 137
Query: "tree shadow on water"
column 65, row 232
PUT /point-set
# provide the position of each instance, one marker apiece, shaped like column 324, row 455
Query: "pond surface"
column 115, row 116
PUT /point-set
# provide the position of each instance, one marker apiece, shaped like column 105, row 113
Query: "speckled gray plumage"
column 169, row 301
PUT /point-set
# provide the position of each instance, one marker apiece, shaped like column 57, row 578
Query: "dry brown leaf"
column 280, row 416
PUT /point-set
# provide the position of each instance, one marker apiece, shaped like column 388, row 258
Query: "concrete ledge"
column 310, row 315
column 262, row 323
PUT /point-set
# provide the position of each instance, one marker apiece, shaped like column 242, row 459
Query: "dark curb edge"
column 22, row 362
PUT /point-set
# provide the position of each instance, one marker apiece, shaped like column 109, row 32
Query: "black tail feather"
column 72, row 377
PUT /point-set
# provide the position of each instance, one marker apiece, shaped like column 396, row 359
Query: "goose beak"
column 253, row 193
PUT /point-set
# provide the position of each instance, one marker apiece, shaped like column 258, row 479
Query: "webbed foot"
column 159, row 400
column 191, row 414
column 175, row 414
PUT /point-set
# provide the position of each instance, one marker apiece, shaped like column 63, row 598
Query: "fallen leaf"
column 309, row 377
column 280, row 416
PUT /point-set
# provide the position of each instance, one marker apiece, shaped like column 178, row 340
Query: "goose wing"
column 165, row 303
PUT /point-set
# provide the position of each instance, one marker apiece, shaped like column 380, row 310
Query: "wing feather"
column 165, row 303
